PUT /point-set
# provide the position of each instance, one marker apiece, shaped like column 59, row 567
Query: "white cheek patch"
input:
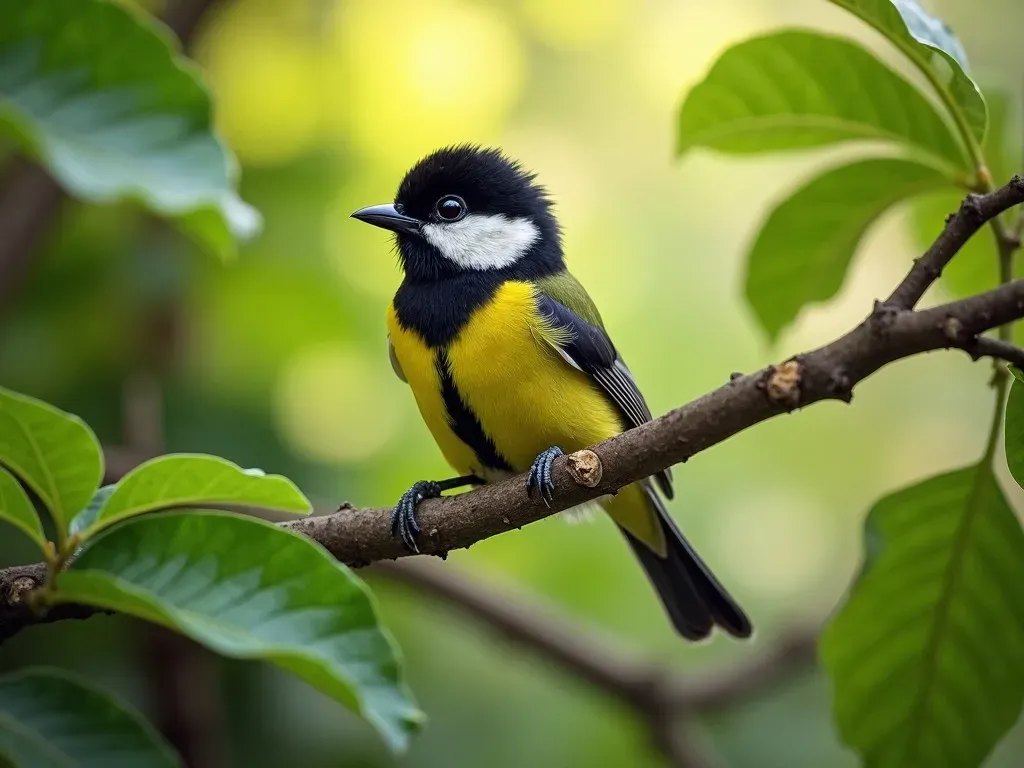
column 482, row 241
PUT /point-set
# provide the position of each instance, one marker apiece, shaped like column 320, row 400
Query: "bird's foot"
column 540, row 474
column 404, row 523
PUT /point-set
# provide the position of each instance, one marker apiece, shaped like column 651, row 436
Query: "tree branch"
column 362, row 536
column 997, row 349
column 599, row 663
column 665, row 700
column 975, row 211
column 358, row 537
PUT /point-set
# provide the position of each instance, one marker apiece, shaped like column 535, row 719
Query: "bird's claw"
column 404, row 524
column 540, row 475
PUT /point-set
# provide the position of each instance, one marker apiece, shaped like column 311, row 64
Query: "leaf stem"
column 974, row 150
column 1001, row 382
column 56, row 558
column 975, row 153
column 1007, row 245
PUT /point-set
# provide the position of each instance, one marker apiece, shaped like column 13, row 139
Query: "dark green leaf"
column 49, row 719
column 87, row 517
column 16, row 509
column 926, row 656
column 933, row 48
column 804, row 248
column 249, row 589
column 193, row 480
column 976, row 266
column 53, row 452
column 99, row 94
column 797, row 89
column 1013, row 436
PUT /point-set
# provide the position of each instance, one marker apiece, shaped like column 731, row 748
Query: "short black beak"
column 387, row 217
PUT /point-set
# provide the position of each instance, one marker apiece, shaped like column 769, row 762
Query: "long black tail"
column 691, row 594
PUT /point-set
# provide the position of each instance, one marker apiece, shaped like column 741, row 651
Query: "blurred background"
column 278, row 360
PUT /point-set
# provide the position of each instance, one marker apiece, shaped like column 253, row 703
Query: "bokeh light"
column 267, row 80
column 573, row 25
column 329, row 405
column 435, row 73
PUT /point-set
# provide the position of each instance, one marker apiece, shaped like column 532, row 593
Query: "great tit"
column 510, row 363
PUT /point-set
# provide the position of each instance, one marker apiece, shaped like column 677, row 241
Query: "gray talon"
column 404, row 524
column 540, row 475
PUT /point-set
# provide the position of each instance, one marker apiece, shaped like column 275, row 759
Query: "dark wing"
column 588, row 348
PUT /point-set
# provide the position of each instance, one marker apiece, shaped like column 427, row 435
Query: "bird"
column 510, row 363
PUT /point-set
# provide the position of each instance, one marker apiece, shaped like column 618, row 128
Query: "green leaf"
column 1013, row 435
column 933, row 48
column 799, row 89
column 976, row 267
column 54, row 453
column 87, row 517
column 50, row 719
column 17, row 509
column 804, row 248
column 926, row 656
column 194, row 480
column 99, row 93
column 249, row 589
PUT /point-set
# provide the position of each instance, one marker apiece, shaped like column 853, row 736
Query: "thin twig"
column 665, row 699
column 974, row 213
column 536, row 626
column 997, row 349
column 1006, row 246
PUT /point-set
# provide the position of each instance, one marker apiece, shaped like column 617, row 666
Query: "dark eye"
column 450, row 208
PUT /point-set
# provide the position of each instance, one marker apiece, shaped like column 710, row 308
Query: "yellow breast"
column 525, row 396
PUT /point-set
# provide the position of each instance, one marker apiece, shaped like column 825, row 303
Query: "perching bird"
column 510, row 364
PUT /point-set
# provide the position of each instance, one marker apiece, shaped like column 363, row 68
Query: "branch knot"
column 783, row 384
column 971, row 209
column 20, row 588
column 883, row 315
column 585, row 468
column 953, row 329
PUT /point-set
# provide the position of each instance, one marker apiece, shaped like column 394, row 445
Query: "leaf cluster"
column 927, row 653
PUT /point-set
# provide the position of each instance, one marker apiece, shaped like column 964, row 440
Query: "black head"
column 466, row 209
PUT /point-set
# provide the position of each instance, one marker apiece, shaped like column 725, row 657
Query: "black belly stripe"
column 464, row 422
